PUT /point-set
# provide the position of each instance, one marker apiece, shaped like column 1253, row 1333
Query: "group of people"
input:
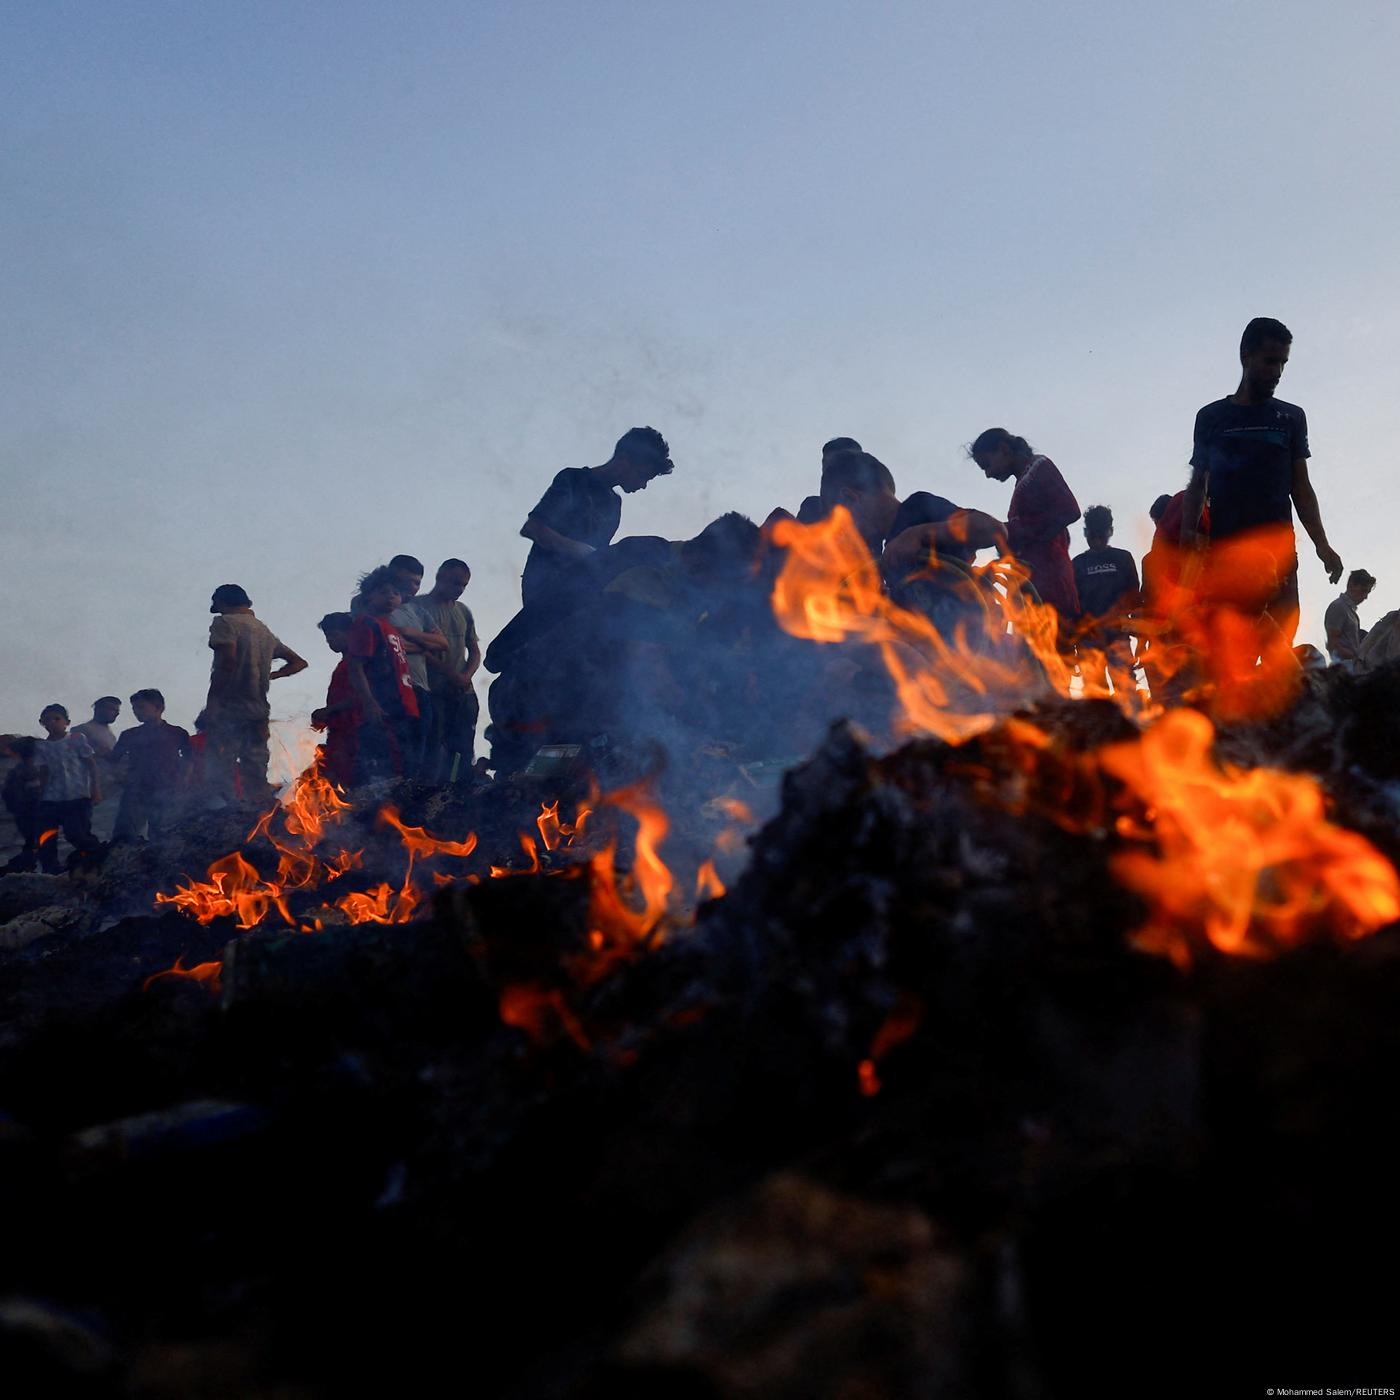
column 642, row 636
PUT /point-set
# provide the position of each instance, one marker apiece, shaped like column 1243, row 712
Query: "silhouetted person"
column 812, row 509
column 451, row 730
column 71, row 787
column 1158, row 508
column 1106, row 580
column 237, row 711
column 1037, row 522
column 388, row 735
column 98, row 730
column 581, row 511
column 23, row 791
column 339, row 717
column 1342, row 621
column 157, row 761
column 1250, row 460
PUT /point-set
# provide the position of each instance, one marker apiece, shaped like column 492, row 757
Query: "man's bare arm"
column 1305, row 503
column 965, row 527
column 1192, row 507
column 292, row 663
column 537, row 532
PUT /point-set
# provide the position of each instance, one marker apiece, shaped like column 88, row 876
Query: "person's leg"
column 421, row 765
column 131, row 816
column 50, row 824
column 77, row 827
column 253, row 757
column 221, row 756
column 27, row 824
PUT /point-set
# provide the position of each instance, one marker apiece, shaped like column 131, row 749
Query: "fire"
column 419, row 842
column 541, row 1012
column 49, row 835
column 233, row 887
column 708, row 885
column 206, row 972
column 830, row 590
column 382, row 905
column 612, row 913
column 1246, row 859
column 899, row 1025
column 553, row 831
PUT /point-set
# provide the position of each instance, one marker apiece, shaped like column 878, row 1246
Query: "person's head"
column 229, row 597
column 451, row 579
column 54, row 718
column 201, row 722
column 812, row 509
column 640, row 456
column 336, row 628
column 999, row 453
column 838, row 445
column 1159, row 507
column 105, row 710
column 23, row 747
column 1098, row 526
column 1359, row 585
column 148, row 705
column 408, row 572
column 1264, row 348
column 865, row 486
column 380, row 591
column 725, row 551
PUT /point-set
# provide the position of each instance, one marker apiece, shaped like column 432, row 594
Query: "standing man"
column 454, row 709
column 98, row 730
column 1106, row 580
column 1250, row 458
column 71, row 786
column 581, row 511
column 1344, row 630
column 237, row 711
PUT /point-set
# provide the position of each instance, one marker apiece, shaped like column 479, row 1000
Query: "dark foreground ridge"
column 904, row 1114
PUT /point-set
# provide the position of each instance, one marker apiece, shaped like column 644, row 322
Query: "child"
column 24, row 784
column 71, row 786
column 158, row 760
column 387, row 734
column 340, row 715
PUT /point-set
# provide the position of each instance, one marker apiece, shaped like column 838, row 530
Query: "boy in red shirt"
column 340, row 715
column 379, row 676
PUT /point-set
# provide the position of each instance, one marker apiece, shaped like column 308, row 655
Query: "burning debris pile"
column 1030, row 1051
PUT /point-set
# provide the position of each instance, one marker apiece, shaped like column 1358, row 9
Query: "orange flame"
column 49, row 835
column 1246, row 859
column 903, row 1020
column 420, row 842
column 538, row 1011
column 708, row 885
column 614, row 915
column 233, row 887
column 207, row 972
column 830, row 590
column 381, row 905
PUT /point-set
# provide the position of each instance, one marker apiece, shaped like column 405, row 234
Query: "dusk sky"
column 289, row 288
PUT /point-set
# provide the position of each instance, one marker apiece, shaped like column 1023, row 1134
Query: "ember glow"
column 208, row 973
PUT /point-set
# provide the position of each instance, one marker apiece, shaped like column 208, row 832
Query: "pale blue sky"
column 288, row 288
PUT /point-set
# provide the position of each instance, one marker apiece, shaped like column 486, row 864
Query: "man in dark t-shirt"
column 581, row 511
column 1250, row 458
column 1106, row 580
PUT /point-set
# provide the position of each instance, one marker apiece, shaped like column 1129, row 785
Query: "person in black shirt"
column 1107, row 583
column 581, row 511
column 1250, row 458
column 157, row 757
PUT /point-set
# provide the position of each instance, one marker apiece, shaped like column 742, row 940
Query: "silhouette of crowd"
column 646, row 642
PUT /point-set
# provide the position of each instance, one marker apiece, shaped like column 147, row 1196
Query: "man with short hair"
column 581, row 511
column 237, row 710
column 1106, row 580
column 157, row 757
column 98, row 730
column 454, row 708
column 1250, row 459
column 1342, row 621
